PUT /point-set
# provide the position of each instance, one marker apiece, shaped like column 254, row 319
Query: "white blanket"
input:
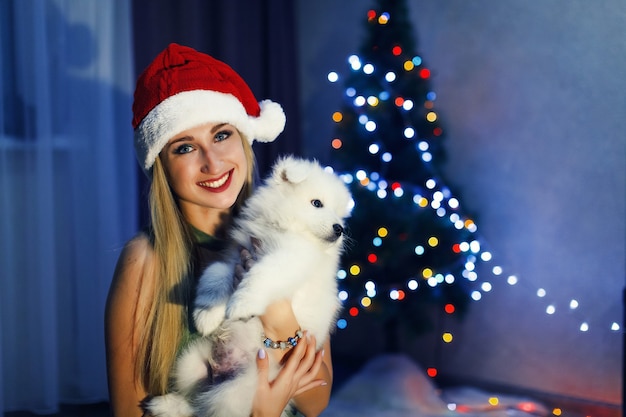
column 395, row 386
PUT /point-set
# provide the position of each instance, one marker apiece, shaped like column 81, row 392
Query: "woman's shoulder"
column 141, row 241
column 135, row 269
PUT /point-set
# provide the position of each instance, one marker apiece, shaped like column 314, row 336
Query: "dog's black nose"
column 338, row 229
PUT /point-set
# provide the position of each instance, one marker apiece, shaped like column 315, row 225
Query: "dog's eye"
column 317, row 203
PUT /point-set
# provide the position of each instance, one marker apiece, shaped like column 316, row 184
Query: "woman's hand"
column 299, row 374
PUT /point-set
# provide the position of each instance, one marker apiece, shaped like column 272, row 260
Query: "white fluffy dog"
column 297, row 216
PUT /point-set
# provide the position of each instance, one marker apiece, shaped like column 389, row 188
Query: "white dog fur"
column 298, row 217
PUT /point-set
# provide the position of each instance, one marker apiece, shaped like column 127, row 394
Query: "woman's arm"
column 130, row 291
column 308, row 374
column 312, row 401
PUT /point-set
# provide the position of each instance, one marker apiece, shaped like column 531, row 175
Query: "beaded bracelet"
column 280, row 344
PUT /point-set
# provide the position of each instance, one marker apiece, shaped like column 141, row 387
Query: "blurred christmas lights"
column 439, row 200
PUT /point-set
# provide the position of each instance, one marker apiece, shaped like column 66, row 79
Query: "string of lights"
column 364, row 101
column 417, row 246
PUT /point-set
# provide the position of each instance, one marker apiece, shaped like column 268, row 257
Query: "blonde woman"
column 195, row 120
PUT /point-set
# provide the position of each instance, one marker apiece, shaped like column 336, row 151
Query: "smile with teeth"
column 216, row 183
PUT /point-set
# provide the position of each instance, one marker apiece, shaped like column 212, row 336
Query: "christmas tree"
column 412, row 251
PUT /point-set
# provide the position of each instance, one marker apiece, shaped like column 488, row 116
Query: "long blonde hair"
column 173, row 243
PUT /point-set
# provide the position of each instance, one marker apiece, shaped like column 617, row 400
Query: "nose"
column 338, row 229
column 210, row 162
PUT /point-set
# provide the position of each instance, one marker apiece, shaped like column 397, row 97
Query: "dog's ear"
column 291, row 170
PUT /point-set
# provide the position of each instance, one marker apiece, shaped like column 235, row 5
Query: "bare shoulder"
column 133, row 280
column 136, row 253
column 134, row 259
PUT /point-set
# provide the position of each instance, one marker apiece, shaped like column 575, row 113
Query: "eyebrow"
column 190, row 138
column 180, row 139
column 218, row 127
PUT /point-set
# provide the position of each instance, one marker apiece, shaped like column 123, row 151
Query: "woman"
column 195, row 120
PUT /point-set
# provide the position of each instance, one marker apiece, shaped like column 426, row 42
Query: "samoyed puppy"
column 297, row 217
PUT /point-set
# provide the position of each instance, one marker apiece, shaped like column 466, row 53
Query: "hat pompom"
column 270, row 123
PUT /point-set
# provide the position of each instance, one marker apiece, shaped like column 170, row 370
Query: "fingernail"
column 261, row 353
column 323, row 384
column 323, row 352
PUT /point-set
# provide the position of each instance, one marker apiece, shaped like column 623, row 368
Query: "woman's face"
column 206, row 168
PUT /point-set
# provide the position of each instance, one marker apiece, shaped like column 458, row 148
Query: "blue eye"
column 185, row 148
column 317, row 203
column 223, row 135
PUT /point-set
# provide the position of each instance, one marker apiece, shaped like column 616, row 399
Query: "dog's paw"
column 242, row 308
column 238, row 312
column 168, row 405
column 207, row 321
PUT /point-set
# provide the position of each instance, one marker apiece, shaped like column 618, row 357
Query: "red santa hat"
column 183, row 88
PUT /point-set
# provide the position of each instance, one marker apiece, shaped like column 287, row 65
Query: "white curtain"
column 67, row 193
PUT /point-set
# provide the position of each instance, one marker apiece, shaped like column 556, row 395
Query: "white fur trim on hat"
column 190, row 109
